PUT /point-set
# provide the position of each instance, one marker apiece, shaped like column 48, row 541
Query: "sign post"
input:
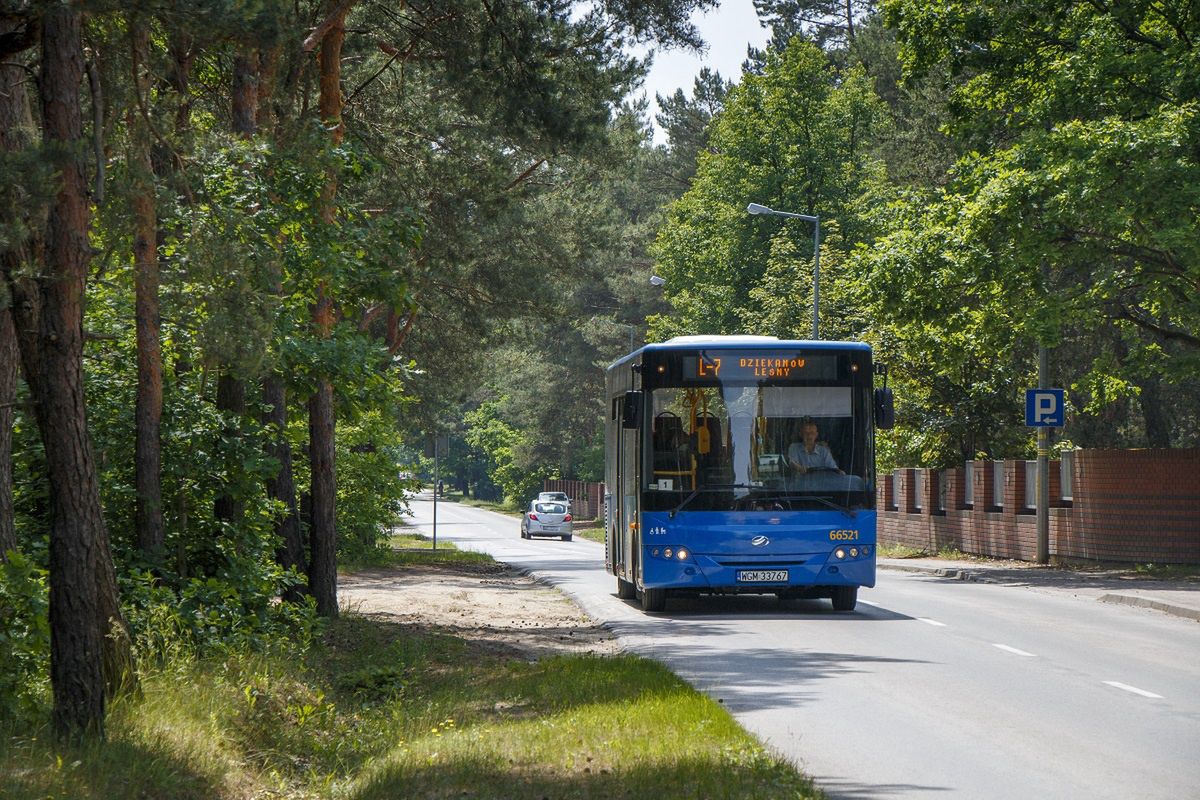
column 440, row 442
column 1044, row 409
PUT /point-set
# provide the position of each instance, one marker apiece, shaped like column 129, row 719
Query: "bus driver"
column 808, row 453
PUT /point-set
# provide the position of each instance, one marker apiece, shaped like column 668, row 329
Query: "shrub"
column 24, row 638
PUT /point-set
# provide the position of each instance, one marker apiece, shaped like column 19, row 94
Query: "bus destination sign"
column 719, row 366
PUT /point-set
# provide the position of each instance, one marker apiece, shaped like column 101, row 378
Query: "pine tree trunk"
column 182, row 51
column 321, row 424
column 147, row 458
column 83, row 594
column 231, row 401
column 16, row 134
column 231, row 390
column 8, row 396
column 282, row 487
column 322, row 532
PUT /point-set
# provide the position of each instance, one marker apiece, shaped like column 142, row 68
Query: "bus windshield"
column 765, row 444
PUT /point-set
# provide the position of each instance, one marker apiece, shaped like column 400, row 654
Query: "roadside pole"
column 1043, row 471
column 1044, row 409
column 436, row 477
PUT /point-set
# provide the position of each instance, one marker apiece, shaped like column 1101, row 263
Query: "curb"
column 940, row 572
column 1148, row 602
column 1120, row 599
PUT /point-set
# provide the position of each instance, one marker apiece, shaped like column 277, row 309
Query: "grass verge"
column 381, row 709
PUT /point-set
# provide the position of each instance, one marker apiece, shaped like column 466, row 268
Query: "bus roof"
column 739, row 342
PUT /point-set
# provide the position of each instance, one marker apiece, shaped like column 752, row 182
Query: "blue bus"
column 742, row 464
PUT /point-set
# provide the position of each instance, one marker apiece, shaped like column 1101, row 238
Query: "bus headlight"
column 682, row 554
column 667, row 553
column 854, row 552
column 866, row 551
column 840, row 553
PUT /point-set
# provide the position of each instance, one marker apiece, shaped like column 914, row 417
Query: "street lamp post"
column 655, row 281
column 755, row 208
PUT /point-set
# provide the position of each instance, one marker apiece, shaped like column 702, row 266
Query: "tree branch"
column 1129, row 314
column 525, row 174
column 398, row 335
column 319, row 32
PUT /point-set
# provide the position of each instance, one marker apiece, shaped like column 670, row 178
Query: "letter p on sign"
column 1044, row 408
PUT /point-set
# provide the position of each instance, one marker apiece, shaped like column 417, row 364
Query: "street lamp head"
column 755, row 208
column 657, row 281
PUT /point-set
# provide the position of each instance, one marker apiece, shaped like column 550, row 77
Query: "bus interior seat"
column 666, row 426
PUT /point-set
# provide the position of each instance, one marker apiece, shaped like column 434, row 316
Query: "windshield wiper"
column 704, row 488
column 849, row 512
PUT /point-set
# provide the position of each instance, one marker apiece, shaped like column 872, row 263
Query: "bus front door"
column 629, row 518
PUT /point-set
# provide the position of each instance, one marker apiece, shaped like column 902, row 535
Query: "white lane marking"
column 869, row 603
column 932, row 622
column 1013, row 650
column 1126, row 687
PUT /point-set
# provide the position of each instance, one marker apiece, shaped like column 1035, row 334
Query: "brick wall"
column 1132, row 506
column 586, row 498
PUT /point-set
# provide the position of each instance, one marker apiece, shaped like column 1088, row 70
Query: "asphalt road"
column 931, row 688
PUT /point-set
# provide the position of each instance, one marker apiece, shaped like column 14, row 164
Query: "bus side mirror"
column 631, row 410
column 885, row 409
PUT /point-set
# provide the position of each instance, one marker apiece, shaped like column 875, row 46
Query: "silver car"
column 546, row 518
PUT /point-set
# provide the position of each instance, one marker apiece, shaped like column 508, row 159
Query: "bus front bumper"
column 726, row 574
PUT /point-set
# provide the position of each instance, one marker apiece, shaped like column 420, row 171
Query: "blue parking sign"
column 1044, row 408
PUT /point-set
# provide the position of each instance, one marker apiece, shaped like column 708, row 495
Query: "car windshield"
column 549, row 508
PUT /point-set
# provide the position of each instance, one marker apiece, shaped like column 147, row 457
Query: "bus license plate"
column 762, row 576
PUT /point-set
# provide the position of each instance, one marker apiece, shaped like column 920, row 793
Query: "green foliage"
column 368, row 710
column 1074, row 223
column 502, row 443
column 24, row 638
column 795, row 138
column 370, row 496
column 236, row 611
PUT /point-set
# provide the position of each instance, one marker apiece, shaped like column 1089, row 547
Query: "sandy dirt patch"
column 491, row 605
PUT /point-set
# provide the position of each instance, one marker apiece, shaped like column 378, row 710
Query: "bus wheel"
column 625, row 589
column 654, row 599
column 845, row 598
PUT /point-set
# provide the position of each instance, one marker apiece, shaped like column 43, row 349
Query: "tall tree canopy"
column 796, row 138
column 1074, row 222
column 299, row 208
